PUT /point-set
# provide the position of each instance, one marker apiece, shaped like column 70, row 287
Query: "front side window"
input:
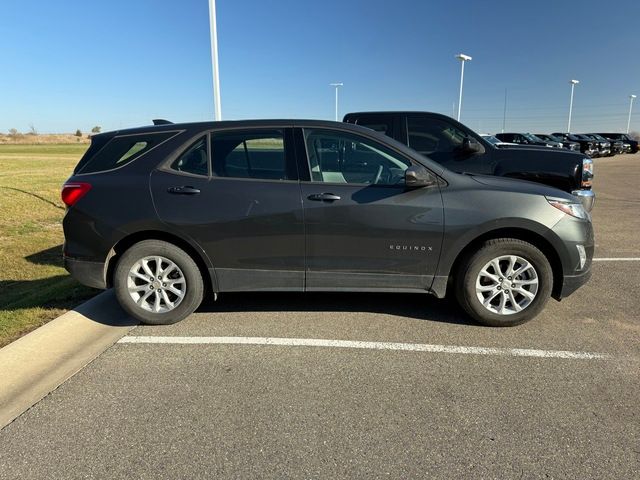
column 339, row 157
column 429, row 136
column 256, row 154
column 379, row 124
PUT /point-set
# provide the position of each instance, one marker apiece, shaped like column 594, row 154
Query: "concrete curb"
column 39, row 362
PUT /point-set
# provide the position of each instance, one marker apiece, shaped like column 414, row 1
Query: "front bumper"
column 87, row 273
column 575, row 243
column 571, row 283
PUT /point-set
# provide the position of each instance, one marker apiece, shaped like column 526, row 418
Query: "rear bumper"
column 573, row 282
column 87, row 273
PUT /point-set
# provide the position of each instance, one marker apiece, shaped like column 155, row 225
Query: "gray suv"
column 168, row 212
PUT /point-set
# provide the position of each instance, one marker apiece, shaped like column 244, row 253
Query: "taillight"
column 74, row 191
column 587, row 172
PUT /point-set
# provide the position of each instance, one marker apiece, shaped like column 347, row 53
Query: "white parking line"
column 617, row 259
column 412, row 347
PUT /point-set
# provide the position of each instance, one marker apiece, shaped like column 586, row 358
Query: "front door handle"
column 324, row 197
column 183, row 190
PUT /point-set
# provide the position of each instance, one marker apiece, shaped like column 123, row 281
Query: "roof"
column 199, row 126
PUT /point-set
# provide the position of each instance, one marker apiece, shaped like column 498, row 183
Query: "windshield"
column 531, row 137
column 491, row 139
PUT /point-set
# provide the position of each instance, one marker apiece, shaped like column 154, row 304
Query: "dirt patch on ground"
column 43, row 139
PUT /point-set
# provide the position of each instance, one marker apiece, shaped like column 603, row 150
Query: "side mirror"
column 417, row 176
column 471, row 145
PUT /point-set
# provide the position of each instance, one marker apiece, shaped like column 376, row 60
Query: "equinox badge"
column 413, row 248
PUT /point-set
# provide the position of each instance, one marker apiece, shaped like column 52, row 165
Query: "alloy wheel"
column 156, row 284
column 507, row 284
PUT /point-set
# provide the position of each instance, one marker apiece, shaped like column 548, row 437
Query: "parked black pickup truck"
column 524, row 139
column 614, row 146
column 563, row 143
column 460, row 149
column 625, row 138
column 587, row 146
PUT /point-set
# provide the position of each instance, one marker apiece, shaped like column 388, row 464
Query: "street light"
column 336, row 85
column 463, row 58
column 631, row 97
column 214, row 60
column 573, row 84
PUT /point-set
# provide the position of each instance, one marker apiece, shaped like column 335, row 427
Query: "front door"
column 237, row 196
column 364, row 229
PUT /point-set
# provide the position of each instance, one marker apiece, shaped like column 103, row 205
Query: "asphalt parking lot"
column 364, row 410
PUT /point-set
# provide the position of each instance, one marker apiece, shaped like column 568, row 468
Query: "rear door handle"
column 324, row 197
column 183, row 190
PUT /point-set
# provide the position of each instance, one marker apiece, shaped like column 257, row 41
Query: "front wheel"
column 157, row 283
column 505, row 283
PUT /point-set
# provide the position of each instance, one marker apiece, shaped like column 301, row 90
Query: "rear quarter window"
column 120, row 151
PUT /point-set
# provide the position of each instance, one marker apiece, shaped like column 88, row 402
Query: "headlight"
column 569, row 207
column 587, row 172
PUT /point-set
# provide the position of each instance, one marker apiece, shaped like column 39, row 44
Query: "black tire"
column 193, row 283
column 465, row 281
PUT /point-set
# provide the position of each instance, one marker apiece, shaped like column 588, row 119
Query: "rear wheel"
column 505, row 283
column 157, row 283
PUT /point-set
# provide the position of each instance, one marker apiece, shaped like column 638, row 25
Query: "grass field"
column 34, row 287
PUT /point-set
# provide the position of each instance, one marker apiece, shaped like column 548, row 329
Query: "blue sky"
column 75, row 64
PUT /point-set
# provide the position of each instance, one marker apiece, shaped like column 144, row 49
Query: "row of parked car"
column 592, row 144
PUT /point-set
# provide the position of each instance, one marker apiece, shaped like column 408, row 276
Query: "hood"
column 521, row 186
column 518, row 146
column 533, row 151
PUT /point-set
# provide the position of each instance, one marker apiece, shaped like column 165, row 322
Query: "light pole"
column 336, row 85
column 214, row 60
column 631, row 97
column 573, row 84
column 504, row 112
column 463, row 58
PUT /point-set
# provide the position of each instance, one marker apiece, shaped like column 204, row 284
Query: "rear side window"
column 120, row 151
column 249, row 154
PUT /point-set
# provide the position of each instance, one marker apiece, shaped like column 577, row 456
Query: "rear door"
column 236, row 194
column 364, row 229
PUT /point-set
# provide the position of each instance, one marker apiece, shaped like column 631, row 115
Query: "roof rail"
column 161, row 121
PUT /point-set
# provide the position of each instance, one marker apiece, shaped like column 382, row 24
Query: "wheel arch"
column 198, row 256
column 537, row 240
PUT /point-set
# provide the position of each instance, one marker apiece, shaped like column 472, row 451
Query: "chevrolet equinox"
column 168, row 212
